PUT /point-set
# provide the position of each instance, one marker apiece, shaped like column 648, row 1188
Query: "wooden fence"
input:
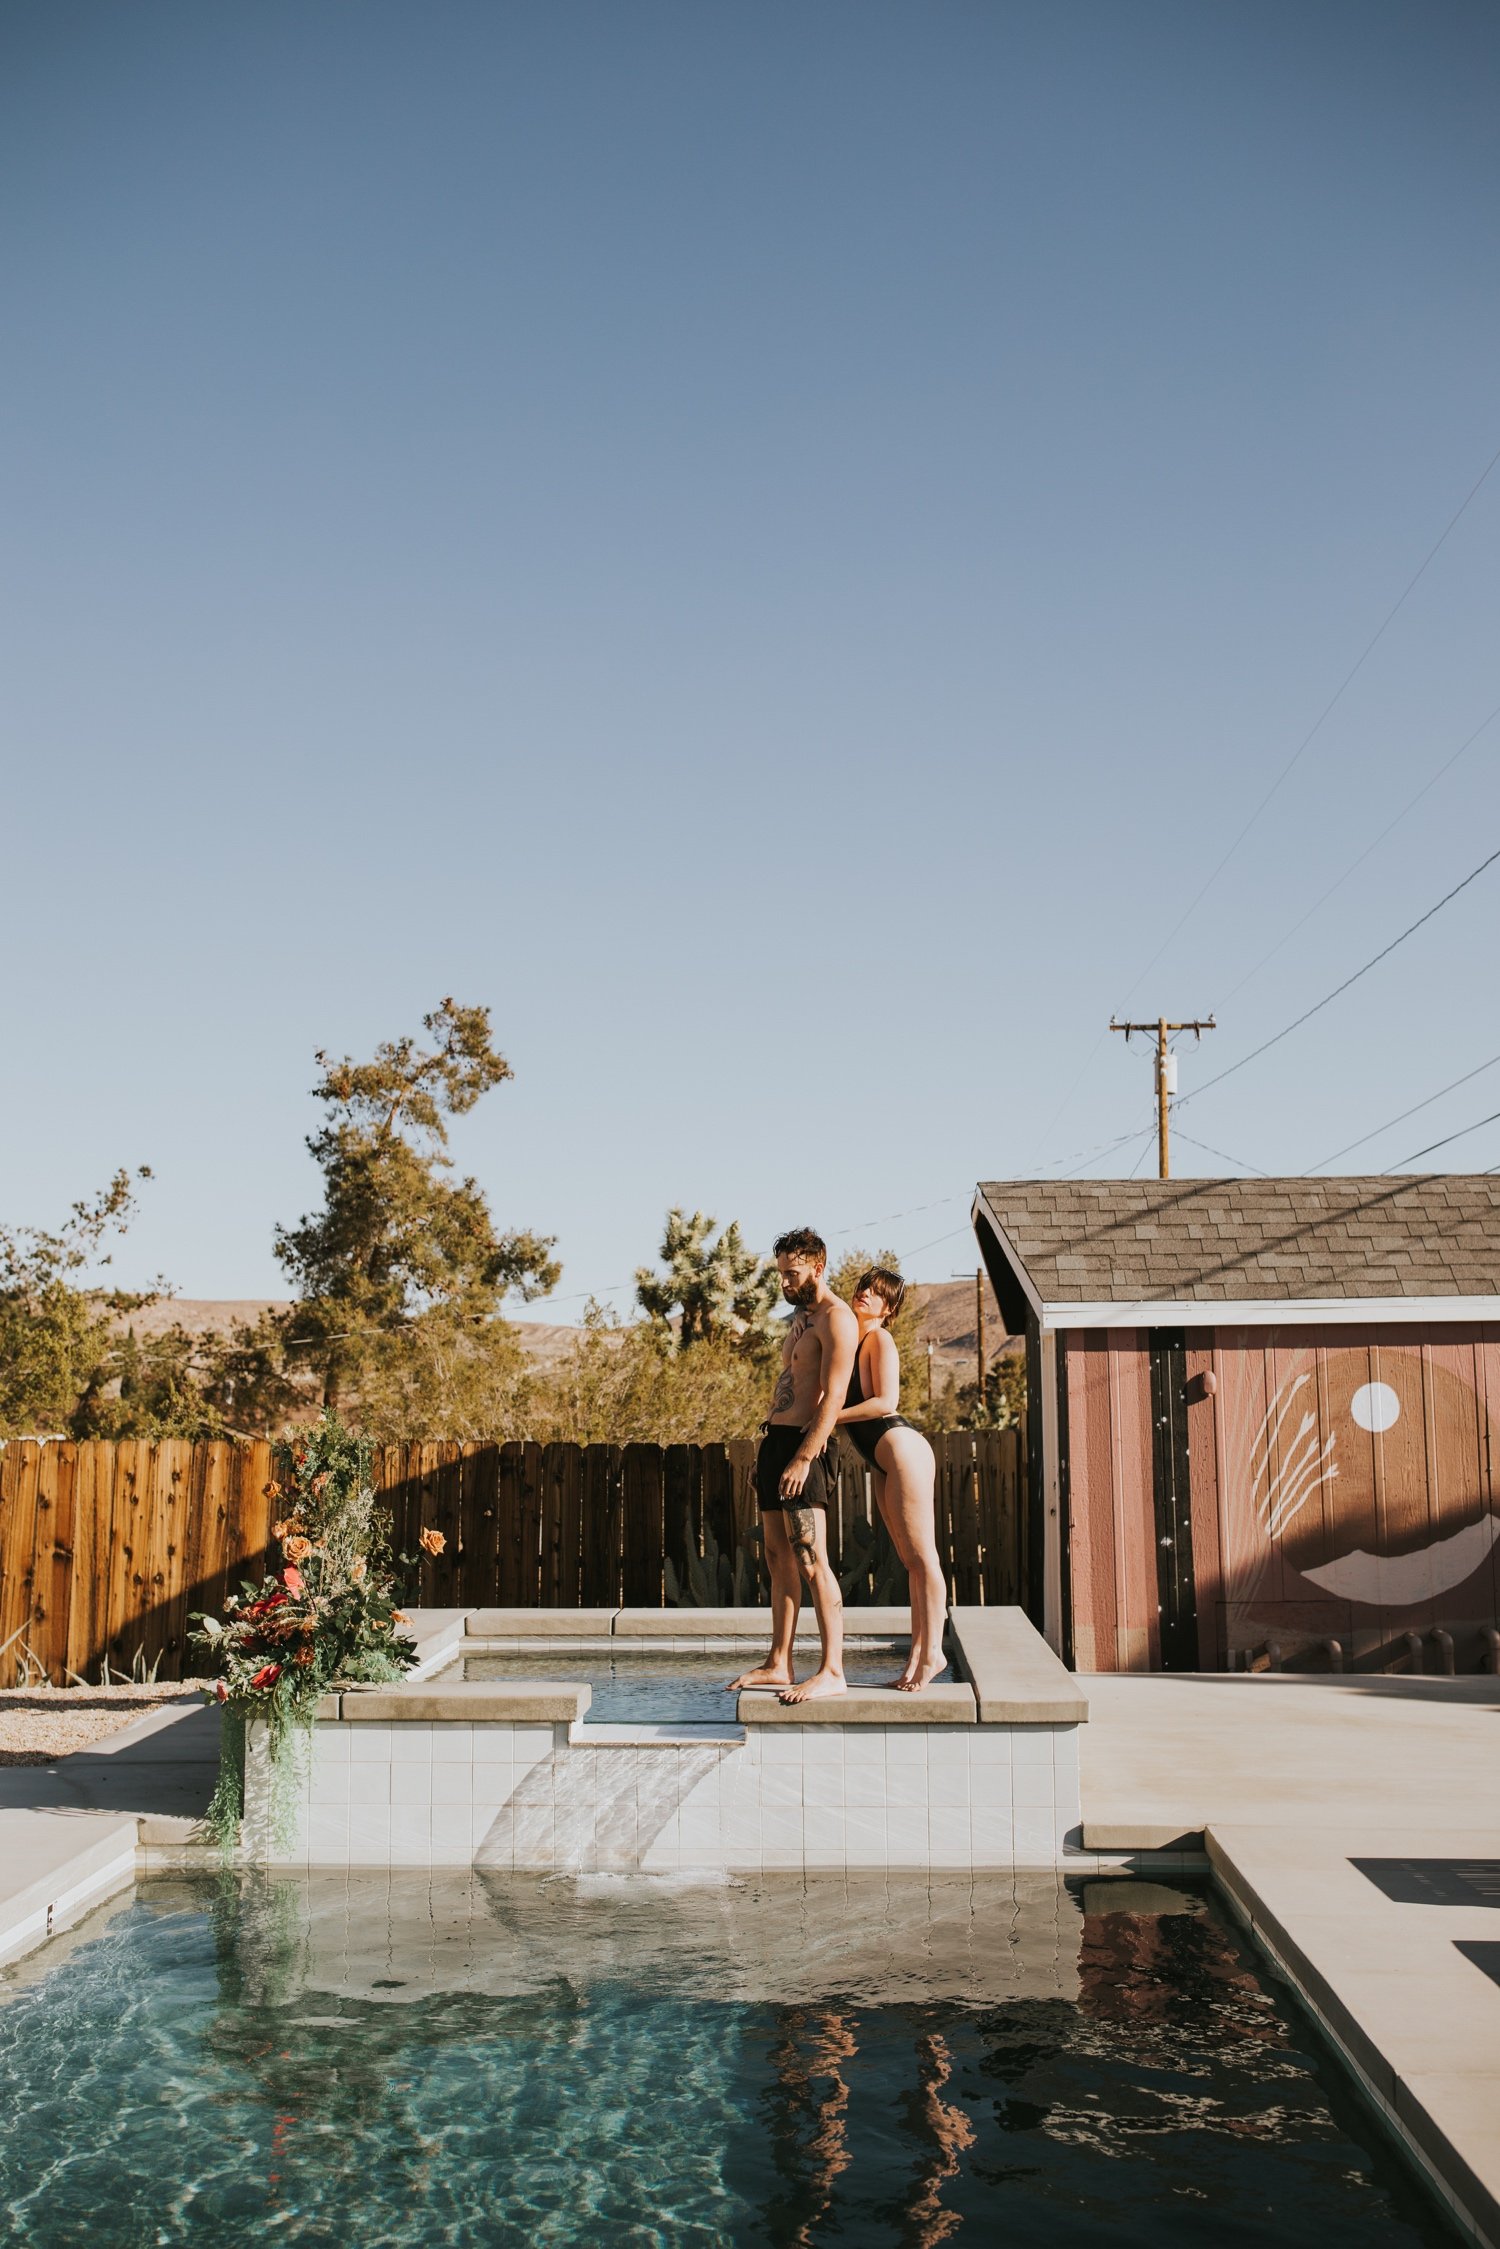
column 107, row 1549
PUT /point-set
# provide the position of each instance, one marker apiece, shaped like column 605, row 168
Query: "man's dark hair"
column 800, row 1242
column 888, row 1286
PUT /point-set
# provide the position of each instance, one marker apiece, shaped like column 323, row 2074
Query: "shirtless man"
column 793, row 1481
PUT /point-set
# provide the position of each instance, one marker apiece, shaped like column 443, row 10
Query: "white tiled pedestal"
column 771, row 1799
column 513, row 1776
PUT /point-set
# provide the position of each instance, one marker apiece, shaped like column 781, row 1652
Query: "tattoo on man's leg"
column 802, row 1528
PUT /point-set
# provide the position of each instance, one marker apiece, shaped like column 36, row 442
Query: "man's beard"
column 804, row 1293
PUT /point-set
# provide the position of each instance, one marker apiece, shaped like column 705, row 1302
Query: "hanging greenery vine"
column 327, row 1617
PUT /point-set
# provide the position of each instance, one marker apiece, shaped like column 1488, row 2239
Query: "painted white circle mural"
column 1375, row 1406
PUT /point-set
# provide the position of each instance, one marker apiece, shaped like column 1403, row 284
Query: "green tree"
column 60, row 1343
column 399, row 1248
column 719, row 1290
column 632, row 1385
column 1002, row 1404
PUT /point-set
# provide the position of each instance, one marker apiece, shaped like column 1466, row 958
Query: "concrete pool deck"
column 1276, row 1783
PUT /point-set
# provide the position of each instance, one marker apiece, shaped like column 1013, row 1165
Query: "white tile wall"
column 779, row 1797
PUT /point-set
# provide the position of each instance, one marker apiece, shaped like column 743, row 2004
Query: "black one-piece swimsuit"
column 866, row 1435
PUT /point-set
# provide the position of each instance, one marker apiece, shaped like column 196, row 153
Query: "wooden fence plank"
column 963, row 1528
column 718, row 1522
column 752, row 1588
column 682, row 1511
column 642, row 1480
column 19, row 1468
column 479, row 1525
column 600, row 1504
column 57, row 1486
column 561, row 1556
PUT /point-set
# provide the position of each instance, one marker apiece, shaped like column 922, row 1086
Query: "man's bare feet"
column 814, row 1689
column 767, row 1675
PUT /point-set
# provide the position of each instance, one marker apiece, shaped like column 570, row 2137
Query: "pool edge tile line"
column 1330, row 1956
column 57, row 1867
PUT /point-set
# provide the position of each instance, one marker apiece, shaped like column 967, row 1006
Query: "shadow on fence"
column 107, row 1549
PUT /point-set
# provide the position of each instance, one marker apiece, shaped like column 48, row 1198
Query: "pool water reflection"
column 402, row 2058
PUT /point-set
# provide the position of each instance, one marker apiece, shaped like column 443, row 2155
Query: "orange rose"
column 357, row 1572
column 298, row 1549
column 399, row 1616
column 432, row 1542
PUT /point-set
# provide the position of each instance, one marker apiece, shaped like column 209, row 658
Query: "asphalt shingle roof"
column 1220, row 1240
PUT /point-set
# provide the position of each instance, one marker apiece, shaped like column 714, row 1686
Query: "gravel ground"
column 40, row 1724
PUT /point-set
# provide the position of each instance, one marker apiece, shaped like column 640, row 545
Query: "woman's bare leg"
column 905, row 1497
column 905, row 1556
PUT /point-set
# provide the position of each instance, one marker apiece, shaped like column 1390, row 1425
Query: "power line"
column 1446, row 1140
column 1350, row 1145
column 1356, row 864
column 1328, row 997
column 1222, row 1154
column 1307, row 739
column 1318, row 722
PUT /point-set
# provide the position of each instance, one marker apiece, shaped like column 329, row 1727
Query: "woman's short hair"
column 888, row 1286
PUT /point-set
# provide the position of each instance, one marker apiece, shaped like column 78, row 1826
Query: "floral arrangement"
column 326, row 1617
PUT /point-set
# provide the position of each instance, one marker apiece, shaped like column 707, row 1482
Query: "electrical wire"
column 1221, row 1153
column 1493, row 1118
column 1355, row 668
column 1307, row 739
column 1364, row 1138
column 1356, row 864
column 1328, row 997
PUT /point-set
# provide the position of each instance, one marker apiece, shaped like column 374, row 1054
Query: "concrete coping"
column 661, row 1624
column 861, row 1706
column 1017, row 1679
column 469, row 1702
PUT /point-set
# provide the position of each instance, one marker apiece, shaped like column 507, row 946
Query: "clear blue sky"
column 776, row 545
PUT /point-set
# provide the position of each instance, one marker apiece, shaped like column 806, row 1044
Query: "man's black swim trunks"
column 777, row 1445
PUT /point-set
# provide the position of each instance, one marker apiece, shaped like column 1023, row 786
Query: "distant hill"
column 947, row 1309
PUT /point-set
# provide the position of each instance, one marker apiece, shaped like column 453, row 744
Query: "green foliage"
column 717, row 1289
column 397, row 1241
column 65, row 1368
column 629, row 1385
column 328, row 1614
column 1002, row 1406
column 158, row 1390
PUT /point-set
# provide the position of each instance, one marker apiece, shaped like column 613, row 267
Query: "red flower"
column 221, row 1690
column 267, row 1676
column 292, row 1579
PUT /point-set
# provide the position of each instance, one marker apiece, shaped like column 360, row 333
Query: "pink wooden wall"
column 1341, row 1488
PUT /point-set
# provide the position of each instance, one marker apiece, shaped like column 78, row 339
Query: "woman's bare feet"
column 912, row 1682
column 766, row 1675
column 814, row 1689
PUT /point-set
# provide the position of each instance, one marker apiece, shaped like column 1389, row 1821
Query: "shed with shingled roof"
column 1260, row 1423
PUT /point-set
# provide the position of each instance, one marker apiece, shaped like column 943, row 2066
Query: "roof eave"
column 1240, row 1312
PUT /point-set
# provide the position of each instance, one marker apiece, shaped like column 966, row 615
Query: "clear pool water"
column 669, row 1689
column 402, row 2059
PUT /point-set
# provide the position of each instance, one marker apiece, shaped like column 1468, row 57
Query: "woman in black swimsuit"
column 903, row 1465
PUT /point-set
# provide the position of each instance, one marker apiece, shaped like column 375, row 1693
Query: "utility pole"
column 978, row 1326
column 1166, row 1073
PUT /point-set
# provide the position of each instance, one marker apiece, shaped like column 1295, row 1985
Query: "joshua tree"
column 718, row 1288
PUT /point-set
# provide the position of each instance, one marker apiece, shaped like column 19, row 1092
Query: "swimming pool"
column 403, row 2058
column 660, row 1687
